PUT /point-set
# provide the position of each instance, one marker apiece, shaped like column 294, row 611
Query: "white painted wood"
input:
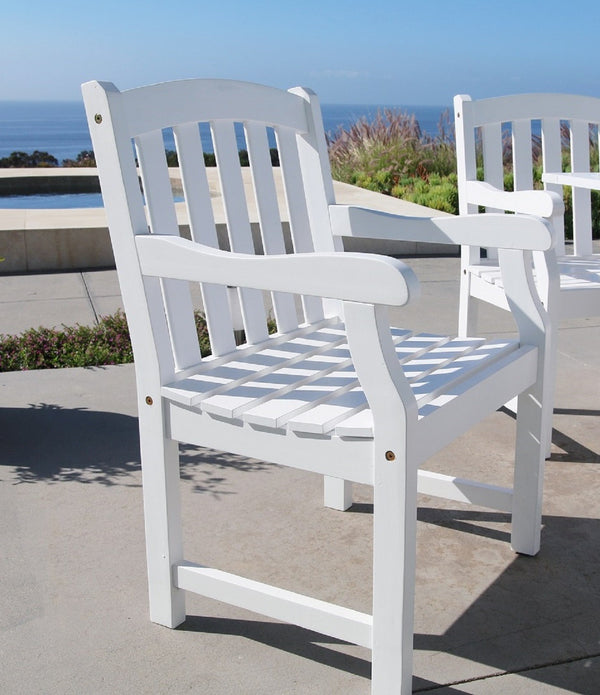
column 269, row 216
column 337, row 494
column 238, row 223
column 516, row 232
column 203, row 230
column 297, row 210
column 340, row 276
column 161, row 211
column 311, row 613
column 466, row 491
column 491, row 141
column 582, row 209
column 354, row 401
column 522, row 155
column 552, row 159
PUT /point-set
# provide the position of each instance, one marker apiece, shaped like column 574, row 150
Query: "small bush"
column 81, row 346
column 76, row 346
column 437, row 192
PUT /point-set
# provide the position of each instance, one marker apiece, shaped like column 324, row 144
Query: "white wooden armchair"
column 513, row 119
column 335, row 390
column 516, row 117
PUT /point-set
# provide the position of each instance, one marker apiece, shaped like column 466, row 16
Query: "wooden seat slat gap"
column 361, row 423
column 319, row 405
column 221, row 377
column 465, row 368
column 327, row 415
column 230, row 402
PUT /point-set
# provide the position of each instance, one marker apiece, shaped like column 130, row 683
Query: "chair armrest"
column 490, row 229
column 540, row 203
column 355, row 277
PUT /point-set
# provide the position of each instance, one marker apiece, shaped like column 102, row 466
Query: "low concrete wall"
column 75, row 239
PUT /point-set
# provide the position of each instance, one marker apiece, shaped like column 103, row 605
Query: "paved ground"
column 73, row 615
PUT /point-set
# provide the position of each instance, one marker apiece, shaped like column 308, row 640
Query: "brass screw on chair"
column 149, row 400
column 98, row 118
column 390, row 456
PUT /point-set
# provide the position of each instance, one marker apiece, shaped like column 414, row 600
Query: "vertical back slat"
column 493, row 166
column 161, row 210
column 238, row 223
column 466, row 160
column 582, row 208
column 269, row 216
column 552, row 159
column 202, row 228
column 297, row 211
column 493, row 169
column 522, row 155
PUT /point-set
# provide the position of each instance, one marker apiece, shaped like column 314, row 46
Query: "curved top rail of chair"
column 515, row 107
column 194, row 100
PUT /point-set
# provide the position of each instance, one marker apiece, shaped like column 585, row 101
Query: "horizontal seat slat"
column 280, row 382
column 215, row 376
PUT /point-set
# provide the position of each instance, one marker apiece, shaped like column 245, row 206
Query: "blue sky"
column 391, row 52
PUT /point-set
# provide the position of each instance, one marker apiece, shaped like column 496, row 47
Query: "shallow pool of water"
column 51, row 201
column 55, row 201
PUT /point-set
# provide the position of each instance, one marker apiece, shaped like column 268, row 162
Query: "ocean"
column 60, row 128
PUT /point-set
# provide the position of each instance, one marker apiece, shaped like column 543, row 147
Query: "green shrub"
column 81, row 346
column 77, row 346
column 437, row 192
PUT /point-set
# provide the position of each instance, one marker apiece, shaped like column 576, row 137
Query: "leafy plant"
column 81, row 346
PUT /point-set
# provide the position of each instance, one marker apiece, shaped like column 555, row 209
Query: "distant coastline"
column 59, row 127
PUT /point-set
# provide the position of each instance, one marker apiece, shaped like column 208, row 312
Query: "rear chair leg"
column 337, row 493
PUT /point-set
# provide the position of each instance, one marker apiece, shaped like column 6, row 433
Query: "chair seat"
column 307, row 382
column 576, row 272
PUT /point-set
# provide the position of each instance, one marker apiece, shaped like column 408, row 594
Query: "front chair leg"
column 162, row 512
column 394, row 561
column 528, row 476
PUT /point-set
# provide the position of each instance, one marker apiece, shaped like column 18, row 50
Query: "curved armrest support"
column 540, row 203
column 491, row 229
column 356, row 277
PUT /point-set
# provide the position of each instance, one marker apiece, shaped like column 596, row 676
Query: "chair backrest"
column 515, row 134
column 128, row 138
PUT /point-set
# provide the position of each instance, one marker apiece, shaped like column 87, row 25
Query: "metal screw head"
column 149, row 400
column 98, row 118
column 390, row 456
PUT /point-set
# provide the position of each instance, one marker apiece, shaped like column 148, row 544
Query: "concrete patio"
column 73, row 611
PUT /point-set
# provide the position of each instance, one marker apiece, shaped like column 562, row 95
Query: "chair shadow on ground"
column 51, row 444
column 539, row 612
